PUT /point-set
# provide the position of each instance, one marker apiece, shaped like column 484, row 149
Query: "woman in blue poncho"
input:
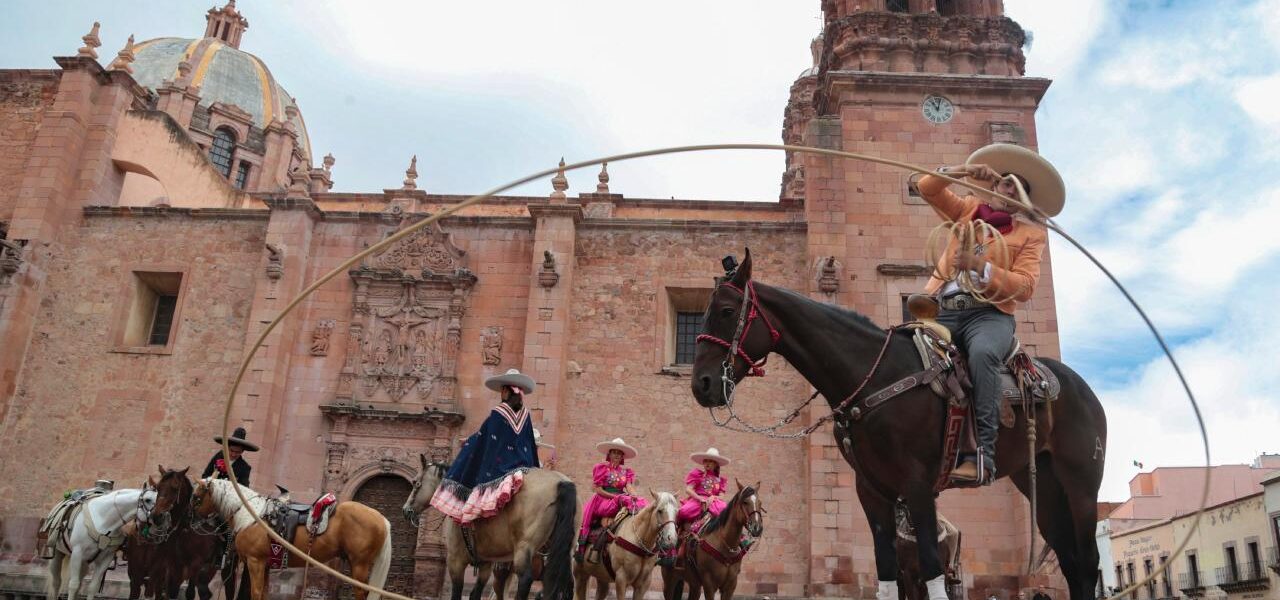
column 490, row 466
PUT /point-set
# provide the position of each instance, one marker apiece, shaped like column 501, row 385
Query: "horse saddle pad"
column 285, row 517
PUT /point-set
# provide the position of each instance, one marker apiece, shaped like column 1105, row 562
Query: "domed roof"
column 224, row 74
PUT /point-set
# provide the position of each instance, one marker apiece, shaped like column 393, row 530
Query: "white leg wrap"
column 888, row 590
column 937, row 587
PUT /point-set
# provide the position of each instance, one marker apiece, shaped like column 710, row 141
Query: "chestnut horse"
column 897, row 448
column 357, row 533
column 170, row 552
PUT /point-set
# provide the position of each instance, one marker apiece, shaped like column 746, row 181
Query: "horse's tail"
column 381, row 564
column 557, row 579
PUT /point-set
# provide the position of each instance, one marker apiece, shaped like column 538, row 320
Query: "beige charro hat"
column 513, row 378
column 616, row 444
column 710, row 454
column 1048, row 192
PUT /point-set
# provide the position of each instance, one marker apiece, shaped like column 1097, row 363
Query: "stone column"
column 547, row 324
column 262, row 397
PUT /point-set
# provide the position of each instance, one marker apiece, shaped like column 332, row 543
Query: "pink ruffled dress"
column 705, row 484
column 613, row 480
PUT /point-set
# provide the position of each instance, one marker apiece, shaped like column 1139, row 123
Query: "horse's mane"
column 841, row 316
column 224, row 497
column 719, row 520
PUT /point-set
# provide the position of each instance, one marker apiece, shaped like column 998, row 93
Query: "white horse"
column 95, row 535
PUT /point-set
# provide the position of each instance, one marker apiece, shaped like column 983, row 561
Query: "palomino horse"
column 712, row 557
column 633, row 552
column 95, row 533
column 356, row 532
column 896, row 450
column 182, row 554
column 542, row 515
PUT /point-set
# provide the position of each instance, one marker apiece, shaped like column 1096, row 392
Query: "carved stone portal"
column 320, row 337
column 406, row 323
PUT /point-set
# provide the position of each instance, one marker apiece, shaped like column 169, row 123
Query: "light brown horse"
column 357, row 533
column 542, row 515
column 633, row 552
column 712, row 558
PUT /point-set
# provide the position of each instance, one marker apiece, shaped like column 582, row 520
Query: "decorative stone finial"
column 275, row 262
column 411, row 174
column 603, row 186
column 123, row 58
column 559, row 183
column 91, row 41
column 328, row 162
column 828, row 282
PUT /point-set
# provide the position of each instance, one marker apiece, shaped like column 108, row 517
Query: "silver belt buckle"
column 962, row 302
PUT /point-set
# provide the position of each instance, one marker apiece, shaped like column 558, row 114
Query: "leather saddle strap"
column 724, row 560
column 956, row 413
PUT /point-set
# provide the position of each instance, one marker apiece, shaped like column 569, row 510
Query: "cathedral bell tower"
column 925, row 82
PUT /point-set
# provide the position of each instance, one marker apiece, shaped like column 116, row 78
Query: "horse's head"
column 203, row 505
column 665, row 508
column 752, row 509
column 733, row 323
column 146, row 505
column 424, row 487
column 173, row 494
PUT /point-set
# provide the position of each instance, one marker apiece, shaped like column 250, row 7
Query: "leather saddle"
column 285, row 516
column 933, row 340
column 600, row 537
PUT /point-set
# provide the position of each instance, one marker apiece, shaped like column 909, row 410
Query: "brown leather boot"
column 967, row 471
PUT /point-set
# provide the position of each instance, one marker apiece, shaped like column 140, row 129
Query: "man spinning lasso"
column 981, row 317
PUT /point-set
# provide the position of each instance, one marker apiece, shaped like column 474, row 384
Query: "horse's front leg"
column 879, row 511
column 75, row 573
column 924, row 519
column 482, row 580
column 730, row 582
column 257, row 568
column 98, row 571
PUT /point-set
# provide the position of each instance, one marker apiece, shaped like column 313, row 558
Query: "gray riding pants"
column 985, row 334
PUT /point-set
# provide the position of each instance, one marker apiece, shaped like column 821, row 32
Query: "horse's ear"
column 161, row 467
column 756, row 487
column 423, row 457
column 652, row 495
column 151, row 482
column 184, row 471
column 738, row 483
column 743, row 273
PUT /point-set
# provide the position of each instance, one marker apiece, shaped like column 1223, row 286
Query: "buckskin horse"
column 542, row 515
column 628, row 559
column 897, row 449
column 712, row 557
column 357, row 533
column 181, row 554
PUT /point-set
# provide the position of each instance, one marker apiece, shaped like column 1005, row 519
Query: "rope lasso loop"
column 1034, row 213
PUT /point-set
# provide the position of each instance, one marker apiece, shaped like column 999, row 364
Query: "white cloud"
column 1061, row 32
column 1257, row 96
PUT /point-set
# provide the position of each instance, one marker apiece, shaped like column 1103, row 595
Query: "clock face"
column 937, row 109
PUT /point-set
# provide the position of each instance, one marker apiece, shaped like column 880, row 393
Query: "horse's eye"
column 726, row 311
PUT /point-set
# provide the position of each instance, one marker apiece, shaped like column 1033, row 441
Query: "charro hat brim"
column 1048, row 192
column 512, row 378
column 237, row 441
column 619, row 445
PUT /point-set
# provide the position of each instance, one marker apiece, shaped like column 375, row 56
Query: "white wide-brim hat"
column 1048, row 192
column 710, row 454
column 513, row 378
column 616, row 444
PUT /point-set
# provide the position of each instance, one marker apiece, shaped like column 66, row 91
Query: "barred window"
column 899, row 6
column 242, row 176
column 162, row 322
column 224, row 145
column 688, row 325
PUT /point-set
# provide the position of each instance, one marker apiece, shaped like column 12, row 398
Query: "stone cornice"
column 696, row 225
column 573, row 211
column 161, row 211
column 428, row 415
column 276, row 203
column 840, row 85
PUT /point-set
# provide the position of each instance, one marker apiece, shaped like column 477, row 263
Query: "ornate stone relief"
column 406, row 323
column 275, row 262
column 491, row 345
column 548, row 277
column 320, row 337
column 828, row 278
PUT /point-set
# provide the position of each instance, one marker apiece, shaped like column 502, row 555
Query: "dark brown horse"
column 184, row 555
column 897, row 449
column 712, row 558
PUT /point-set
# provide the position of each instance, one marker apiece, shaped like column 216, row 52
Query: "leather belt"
column 961, row 302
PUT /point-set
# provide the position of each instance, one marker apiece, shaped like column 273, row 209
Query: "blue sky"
column 1164, row 118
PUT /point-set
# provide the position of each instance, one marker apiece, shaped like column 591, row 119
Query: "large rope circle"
column 407, row 231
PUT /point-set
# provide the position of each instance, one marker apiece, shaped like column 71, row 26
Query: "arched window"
column 948, row 8
column 224, row 146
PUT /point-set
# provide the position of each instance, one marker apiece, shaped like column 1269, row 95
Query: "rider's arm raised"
column 946, row 203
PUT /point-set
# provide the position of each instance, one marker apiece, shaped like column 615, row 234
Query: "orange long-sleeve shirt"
column 1012, row 280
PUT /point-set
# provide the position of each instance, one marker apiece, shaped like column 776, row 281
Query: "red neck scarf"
column 1001, row 220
